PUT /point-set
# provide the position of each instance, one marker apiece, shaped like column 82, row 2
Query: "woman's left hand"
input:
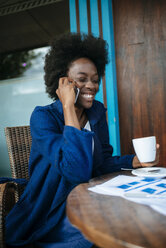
column 137, row 164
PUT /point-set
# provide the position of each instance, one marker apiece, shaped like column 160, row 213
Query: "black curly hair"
column 67, row 48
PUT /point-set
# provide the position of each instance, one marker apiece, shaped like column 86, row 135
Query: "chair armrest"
column 7, row 201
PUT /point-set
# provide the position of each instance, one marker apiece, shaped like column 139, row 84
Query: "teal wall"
column 18, row 98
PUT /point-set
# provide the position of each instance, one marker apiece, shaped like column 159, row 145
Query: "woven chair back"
column 19, row 145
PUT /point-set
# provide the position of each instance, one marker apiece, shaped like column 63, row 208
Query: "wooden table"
column 113, row 222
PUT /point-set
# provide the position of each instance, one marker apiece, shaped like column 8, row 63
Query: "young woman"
column 70, row 145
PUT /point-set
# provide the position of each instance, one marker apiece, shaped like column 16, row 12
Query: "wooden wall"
column 140, row 42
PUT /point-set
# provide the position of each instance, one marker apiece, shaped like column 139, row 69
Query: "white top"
column 87, row 127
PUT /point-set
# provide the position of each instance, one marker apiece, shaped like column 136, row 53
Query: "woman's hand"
column 66, row 92
column 137, row 164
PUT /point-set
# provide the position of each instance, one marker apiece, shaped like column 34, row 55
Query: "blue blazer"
column 61, row 158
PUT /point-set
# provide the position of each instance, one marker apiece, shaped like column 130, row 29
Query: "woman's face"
column 84, row 73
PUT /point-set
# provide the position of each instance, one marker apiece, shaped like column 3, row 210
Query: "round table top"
column 112, row 221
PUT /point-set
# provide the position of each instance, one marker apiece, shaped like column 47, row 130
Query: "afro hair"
column 67, row 48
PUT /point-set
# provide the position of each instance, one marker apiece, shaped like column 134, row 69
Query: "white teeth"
column 88, row 96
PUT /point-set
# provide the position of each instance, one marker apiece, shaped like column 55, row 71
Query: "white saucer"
column 150, row 172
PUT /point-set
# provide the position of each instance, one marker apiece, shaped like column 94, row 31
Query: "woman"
column 70, row 144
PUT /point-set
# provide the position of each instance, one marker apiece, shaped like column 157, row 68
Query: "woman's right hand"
column 66, row 95
column 66, row 92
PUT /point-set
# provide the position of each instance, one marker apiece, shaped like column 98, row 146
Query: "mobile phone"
column 77, row 91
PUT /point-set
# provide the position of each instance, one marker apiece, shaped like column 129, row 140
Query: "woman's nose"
column 90, row 84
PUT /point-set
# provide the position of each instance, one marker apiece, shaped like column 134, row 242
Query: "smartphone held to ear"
column 77, row 91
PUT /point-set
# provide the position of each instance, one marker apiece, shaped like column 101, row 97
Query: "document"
column 149, row 191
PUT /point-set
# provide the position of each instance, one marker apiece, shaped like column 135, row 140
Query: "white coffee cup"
column 145, row 148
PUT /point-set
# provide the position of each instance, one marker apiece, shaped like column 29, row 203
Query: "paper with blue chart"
column 149, row 191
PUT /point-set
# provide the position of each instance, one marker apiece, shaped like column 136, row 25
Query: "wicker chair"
column 19, row 144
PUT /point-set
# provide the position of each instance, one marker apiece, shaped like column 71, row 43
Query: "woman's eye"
column 82, row 80
column 96, row 81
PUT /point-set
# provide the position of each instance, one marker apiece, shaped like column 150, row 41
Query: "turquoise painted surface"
column 110, row 75
column 95, row 31
column 73, row 23
column 18, row 98
column 83, row 16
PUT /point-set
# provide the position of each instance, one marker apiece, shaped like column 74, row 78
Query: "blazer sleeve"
column 110, row 163
column 68, row 150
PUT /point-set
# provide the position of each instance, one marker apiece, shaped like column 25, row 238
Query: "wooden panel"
column 140, row 34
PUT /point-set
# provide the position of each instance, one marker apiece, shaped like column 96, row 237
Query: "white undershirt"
column 87, row 127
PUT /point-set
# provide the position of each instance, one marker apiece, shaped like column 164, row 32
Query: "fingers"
column 57, row 92
column 156, row 161
column 73, row 82
column 65, row 91
column 63, row 81
column 137, row 163
column 148, row 164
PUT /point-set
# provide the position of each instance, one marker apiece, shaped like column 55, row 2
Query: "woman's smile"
column 88, row 96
